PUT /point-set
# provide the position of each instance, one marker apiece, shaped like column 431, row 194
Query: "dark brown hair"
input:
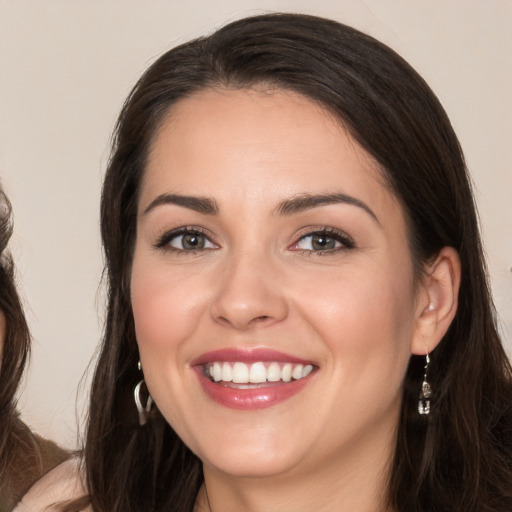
column 460, row 459
column 24, row 456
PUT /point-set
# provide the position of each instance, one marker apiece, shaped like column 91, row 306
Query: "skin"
column 356, row 312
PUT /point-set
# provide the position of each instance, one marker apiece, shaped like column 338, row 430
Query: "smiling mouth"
column 249, row 380
column 248, row 376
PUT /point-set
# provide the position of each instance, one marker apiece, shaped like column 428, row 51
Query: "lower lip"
column 256, row 398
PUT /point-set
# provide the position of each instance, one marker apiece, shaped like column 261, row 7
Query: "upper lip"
column 254, row 355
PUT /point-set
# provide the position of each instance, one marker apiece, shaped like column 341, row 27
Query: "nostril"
column 260, row 319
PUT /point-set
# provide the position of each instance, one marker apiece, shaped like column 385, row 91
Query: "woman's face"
column 272, row 285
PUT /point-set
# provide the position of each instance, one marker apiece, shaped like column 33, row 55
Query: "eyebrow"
column 305, row 202
column 204, row 205
column 296, row 204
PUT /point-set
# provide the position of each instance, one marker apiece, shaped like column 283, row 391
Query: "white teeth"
column 297, row 371
column 227, row 372
column 217, row 372
column 274, row 372
column 307, row 370
column 257, row 373
column 286, row 372
column 240, row 373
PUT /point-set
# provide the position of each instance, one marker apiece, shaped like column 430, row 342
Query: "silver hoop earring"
column 142, row 410
column 426, row 391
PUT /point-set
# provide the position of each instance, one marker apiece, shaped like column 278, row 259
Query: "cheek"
column 166, row 315
column 362, row 313
column 165, row 307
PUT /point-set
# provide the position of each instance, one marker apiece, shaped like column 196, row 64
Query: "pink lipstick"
column 251, row 379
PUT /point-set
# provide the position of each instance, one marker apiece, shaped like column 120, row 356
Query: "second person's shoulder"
column 62, row 484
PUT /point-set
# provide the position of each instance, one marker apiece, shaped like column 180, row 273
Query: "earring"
column 426, row 391
column 142, row 410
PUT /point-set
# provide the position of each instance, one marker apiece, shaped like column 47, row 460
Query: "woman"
column 24, row 456
column 298, row 311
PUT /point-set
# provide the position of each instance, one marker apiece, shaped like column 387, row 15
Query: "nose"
column 249, row 294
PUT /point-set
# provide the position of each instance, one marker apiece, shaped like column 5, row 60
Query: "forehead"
column 222, row 141
column 258, row 113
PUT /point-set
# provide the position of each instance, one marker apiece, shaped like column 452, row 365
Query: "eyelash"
column 165, row 240
column 346, row 241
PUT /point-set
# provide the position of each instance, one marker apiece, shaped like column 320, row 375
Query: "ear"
column 437, row 301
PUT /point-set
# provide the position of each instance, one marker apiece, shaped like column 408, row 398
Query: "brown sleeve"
column 28, row 457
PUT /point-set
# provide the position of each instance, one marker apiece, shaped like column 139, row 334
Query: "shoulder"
column 63, row 483
column 25, row 458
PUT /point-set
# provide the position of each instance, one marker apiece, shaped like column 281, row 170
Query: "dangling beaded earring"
column 142, row 410
column 426, row 391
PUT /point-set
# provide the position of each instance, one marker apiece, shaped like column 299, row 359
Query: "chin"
column 249, row 457
column 242, row 466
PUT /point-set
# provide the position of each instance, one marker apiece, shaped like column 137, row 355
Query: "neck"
column 355, row 481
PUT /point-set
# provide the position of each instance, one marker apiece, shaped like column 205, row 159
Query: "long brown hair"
column 24, row 456
column 461, row 458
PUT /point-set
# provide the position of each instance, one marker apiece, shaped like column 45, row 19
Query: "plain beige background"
column 65, row 69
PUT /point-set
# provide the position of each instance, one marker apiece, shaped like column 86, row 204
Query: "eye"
column 185, row 240
column 325, row 240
